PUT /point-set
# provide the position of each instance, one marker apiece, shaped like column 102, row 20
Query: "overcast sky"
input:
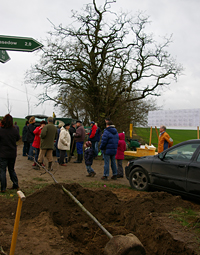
column 30, row 19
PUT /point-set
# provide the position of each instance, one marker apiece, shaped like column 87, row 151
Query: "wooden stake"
column 131, row 130
column 157, row 131
column 150, row 136
column 16, row 225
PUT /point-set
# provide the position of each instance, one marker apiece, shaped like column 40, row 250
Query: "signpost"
column 16, row 43
column 4, row 57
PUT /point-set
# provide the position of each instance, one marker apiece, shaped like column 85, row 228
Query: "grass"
column 12, row 194
column 187, row 217
column 97, row 184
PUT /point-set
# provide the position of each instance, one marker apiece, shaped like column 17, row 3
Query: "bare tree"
column 27, row 99
column 106, row 59
column 8, row 105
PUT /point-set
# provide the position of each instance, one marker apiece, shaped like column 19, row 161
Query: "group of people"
column 68, row 137
column 39, row 140
column 42, row 138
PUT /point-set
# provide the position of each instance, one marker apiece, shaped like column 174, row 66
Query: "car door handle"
column 181, row 166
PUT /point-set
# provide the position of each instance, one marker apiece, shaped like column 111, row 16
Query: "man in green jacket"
column 48, row 135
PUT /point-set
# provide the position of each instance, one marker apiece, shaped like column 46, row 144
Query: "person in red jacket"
column 120, row 155
column 36, row 141
column 93, row 137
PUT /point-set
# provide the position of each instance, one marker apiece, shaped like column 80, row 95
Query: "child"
column 120, row 155
column 89, row 155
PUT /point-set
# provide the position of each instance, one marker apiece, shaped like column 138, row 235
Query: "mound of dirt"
column 52, row 223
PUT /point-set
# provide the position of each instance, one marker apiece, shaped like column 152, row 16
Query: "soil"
column 52, row 223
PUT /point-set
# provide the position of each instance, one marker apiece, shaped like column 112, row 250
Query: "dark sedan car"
column 176, row 169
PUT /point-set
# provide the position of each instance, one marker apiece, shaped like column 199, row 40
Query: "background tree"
column 105, row 62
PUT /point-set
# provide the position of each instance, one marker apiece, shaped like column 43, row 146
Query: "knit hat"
column 78, row 121
column 67, row 124
column 92, row 122
column 50, row 119
column 31, row 119
column 88, row 144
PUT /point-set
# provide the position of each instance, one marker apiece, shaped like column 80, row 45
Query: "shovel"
column 117, row 245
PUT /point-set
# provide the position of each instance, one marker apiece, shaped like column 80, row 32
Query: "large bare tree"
column 106, row 59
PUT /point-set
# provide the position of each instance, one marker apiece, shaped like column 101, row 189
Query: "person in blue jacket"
column 109, row 143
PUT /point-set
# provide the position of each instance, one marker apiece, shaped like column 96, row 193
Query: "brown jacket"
column 80, row 134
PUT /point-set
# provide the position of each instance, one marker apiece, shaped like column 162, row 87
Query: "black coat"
column 88, row 156
column 30, row 135
column 24, row 133
column 8, row 139
column 72, row 130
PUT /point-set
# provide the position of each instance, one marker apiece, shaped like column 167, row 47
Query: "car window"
column 182, row 153
column 198, row 158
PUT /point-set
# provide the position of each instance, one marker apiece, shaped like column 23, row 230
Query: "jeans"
column 93, row 147
column 107, row 158
column 79, row 147
column 30, row 153
column 10, row 163
column 89, row 169
column 96, row 148
column 57, row 152
column 25, row 148
column 37, row 150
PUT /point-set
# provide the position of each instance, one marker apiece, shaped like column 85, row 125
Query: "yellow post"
column 157, row 131
column 131, row 130
column 198, row 132
column 150, row 136
column 16, row 225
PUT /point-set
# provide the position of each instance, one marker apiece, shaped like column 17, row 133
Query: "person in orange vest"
column 165, row 141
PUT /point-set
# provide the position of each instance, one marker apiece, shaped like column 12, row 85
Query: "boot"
column 78, row 159
column 81, row 158
column 50, row 166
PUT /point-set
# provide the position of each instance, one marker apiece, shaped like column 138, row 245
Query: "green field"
column 178, row 135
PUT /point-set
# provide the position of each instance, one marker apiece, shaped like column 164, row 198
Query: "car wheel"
column 139, row 179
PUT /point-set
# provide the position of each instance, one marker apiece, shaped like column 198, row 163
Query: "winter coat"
column 109, row 141
column 64, row 139
column 58, row 134
column 99, row 133
column 88, row 156
column 121, row 146
column 48, row 135
column 164, row 142
column 36, row 141
column 93, row 134
column 30, row 135
column 24, row 133
column 8, row 139
column 80, row 134
column 72, row 130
